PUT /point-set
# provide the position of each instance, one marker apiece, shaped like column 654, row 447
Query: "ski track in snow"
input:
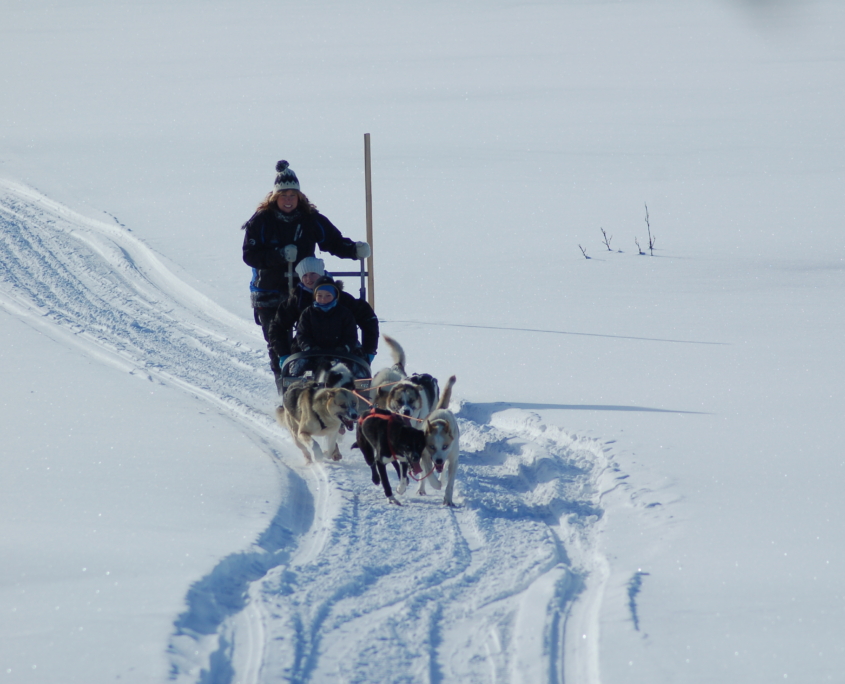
column 494, row 590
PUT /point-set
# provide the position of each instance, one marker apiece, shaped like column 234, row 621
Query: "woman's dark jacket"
column 289, row 311
column 268, row 232
column 328, row 330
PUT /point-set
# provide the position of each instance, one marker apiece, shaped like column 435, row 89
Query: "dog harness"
column 390, row 417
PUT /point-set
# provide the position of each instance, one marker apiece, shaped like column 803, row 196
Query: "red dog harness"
column 390, row 417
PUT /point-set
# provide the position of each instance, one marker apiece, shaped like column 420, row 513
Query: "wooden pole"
column 368, row 183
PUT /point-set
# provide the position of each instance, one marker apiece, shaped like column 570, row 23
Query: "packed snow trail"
column 341, row 586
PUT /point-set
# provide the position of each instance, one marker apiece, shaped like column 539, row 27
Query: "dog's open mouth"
column 348, row 423
column 438, row 465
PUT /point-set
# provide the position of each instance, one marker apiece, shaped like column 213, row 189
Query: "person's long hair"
column 304, row 205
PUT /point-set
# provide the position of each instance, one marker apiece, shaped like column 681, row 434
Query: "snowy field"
column 651, row 459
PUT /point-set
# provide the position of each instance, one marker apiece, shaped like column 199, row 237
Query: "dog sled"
column 325, row 373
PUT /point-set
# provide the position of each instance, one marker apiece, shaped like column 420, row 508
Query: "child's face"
column 323, row 296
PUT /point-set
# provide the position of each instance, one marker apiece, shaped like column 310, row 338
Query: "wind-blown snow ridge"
column 487, row 591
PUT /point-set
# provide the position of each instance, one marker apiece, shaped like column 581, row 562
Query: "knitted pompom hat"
column 310, row 265
column 285, row 177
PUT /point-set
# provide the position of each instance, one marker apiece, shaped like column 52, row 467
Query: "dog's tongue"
column 416, row 468
column 439, row 466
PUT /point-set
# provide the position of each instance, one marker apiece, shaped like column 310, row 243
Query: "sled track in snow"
column 100, row 284
column 491, row 591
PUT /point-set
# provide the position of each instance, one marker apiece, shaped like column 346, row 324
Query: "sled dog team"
column 409, row 425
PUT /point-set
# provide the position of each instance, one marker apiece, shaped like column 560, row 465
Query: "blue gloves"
column 370, row 358
column 282, row 360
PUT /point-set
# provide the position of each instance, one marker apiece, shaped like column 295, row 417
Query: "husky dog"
column 309, row 411
column 411, row 396
column 387, row 377
column 443, row 439
column 335, row 374
column 384, row 438
column 329, row 372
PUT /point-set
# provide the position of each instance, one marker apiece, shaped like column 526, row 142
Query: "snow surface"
column 651, row 459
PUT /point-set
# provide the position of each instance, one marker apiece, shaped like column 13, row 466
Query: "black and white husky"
column 412, row 396
column 335, row 374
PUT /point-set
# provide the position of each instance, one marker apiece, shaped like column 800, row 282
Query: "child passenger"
column 310, row 270
column 326, row 325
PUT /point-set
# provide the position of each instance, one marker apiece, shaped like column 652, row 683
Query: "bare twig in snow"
column 651, row 240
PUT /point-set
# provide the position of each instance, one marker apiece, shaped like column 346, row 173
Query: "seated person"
column 309, row 270
column 326, row 326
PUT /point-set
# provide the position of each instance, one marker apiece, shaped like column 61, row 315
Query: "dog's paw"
column 341, row 430
column 402, row 486
column 336, row 455
column 392, row 500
